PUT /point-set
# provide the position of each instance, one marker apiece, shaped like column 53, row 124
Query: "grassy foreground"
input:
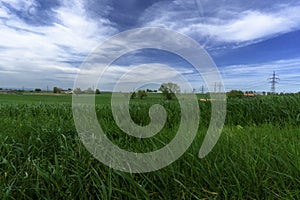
column 257, row 156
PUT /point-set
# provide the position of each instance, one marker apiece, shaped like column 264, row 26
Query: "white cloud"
column 3, row 13
column 231, row 26
column 253, row 25
column 41, row 51
column 132, row 76
column 38, row 56
column 241, row 77
column 255, row 76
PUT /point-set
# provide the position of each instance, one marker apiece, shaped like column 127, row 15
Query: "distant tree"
column 77, row 91
column 235, row 93
column 250, row 92
column 37, row 90
column 149, row 90
column 56, row 90
column 133, row 95
column 169, row 89
column 89, row 91
column 98, row 91
column 1, row 88
column 141, row 94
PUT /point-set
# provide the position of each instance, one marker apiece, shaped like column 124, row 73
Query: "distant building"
column 261, row 93
column 67, row 91
column 4, row 91
column 249, row 95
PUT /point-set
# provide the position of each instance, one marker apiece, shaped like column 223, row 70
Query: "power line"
column 273, row 80
column 202, row 89
column 218, row 87
column 215, row 87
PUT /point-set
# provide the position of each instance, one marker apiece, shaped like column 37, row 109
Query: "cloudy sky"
column 44, row 42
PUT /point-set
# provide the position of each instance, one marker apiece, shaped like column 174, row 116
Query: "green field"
column 256, row 157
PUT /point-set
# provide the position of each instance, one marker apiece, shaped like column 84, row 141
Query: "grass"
column 257, row 156
column 28, row 98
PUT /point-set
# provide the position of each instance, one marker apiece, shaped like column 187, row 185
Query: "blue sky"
column 43, row 42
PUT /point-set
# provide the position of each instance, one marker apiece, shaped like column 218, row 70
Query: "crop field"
column 256, row 157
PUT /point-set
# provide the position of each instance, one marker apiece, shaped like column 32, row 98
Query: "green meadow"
column 256, row 157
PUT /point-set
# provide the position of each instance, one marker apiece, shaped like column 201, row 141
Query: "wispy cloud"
column 134, row 76
column 44, row 42
column 47, row 50
column 252, row 25
column 234, row 25
column 256, row 76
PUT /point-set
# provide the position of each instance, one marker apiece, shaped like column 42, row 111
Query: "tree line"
column 168, row 90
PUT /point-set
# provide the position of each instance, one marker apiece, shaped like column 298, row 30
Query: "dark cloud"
column 125, row 14
column 149, row 55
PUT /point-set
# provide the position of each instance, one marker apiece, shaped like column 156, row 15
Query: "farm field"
column 256, row 157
